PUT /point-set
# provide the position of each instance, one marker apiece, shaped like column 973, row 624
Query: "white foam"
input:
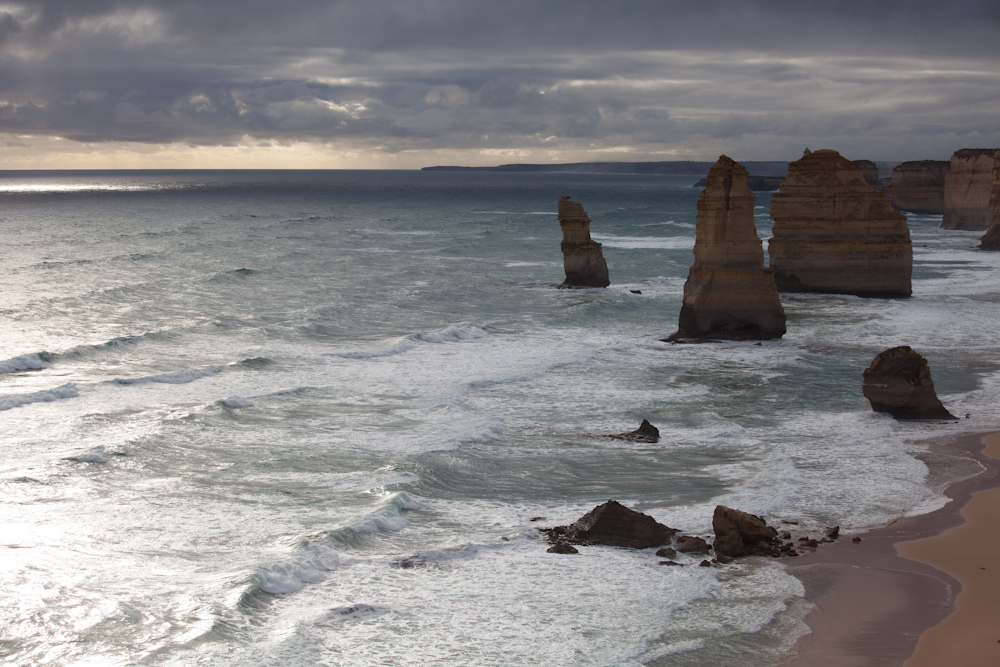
column 46, row 396
column 399, row 347
column 452, row 334
column 178, row 377
column 237, row 402
column 93, row 455
column 644, row 242
column 26, row 362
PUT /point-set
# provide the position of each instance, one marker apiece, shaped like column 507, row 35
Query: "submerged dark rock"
column 615, row 525
column 741, row 534
column 692, row 545
column 899, row 382
column 645, row 433
column 562, row 548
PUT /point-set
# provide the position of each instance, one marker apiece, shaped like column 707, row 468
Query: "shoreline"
column 874, row 601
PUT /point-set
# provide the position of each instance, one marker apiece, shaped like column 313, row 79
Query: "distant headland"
column 675, row 167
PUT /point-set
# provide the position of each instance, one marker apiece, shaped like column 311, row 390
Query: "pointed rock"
column 583, row 259
column 835, row 234
column 729, row 294
column 615, row 525
column 899, row 382
column 967, row 189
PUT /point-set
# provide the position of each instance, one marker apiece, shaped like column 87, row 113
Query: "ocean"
column 316, row 418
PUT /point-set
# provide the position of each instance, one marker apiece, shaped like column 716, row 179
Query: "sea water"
column 316, row 418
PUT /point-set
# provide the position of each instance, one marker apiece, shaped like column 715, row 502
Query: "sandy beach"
column 925, row 586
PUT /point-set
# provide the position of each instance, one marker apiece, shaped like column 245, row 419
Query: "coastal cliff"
column 991, row 239
column 834, row 233
column 729, row 294
column 967, row 189
column 583, row 259
column 918, row 187
column 869, row 171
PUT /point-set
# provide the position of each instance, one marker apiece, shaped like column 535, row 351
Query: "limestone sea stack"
column 991, row 239
column 899, row 382
column 835, row 234
column 582, row 256
column 967, row 189
column 869, row 171
column 729, row 293
column 918, row 187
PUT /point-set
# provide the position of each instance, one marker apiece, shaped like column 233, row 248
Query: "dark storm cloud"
column 444, row 74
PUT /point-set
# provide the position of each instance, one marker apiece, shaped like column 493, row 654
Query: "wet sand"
column 875, row 600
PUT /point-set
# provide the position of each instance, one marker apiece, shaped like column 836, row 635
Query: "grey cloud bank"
column 486, row 82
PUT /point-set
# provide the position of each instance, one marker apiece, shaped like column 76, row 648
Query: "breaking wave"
column 47, row 396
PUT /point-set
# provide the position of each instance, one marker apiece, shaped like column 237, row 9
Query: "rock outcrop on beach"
column 899, row 382
column 582, row 256
column 967, row 189
column 615, row 525
column 918, row 187
column 991, row 239
column 834, row 233
column 645, row 433
column 740, row 534
column 729, row 293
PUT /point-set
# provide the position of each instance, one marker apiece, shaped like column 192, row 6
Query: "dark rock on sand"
column 645, row 433
column 692, row 545
column 740, row 534
column 615, row 525
column 899, row 382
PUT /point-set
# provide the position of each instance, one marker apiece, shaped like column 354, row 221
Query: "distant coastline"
column 676, row 167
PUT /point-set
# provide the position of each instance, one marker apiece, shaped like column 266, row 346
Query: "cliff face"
column 834, row 233
column 967, row 189
column 869, row 171
column 991, row 239
column 918, row 187
column 729, row 294
column 582, row 256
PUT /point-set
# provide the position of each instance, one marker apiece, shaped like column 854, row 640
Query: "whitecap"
column 237, row 402
column 451, row 334
column 26, row 362
column 47, row 396
column 178, row 377
column 644, row 242
column 93, row 455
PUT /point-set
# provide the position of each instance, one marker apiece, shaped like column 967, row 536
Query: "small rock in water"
column 562, row 548
column 856, row 540
column 667, row 552
column 670, row 562
column 635, row 291
column 645, row 433
column 833, row 533
column 615, row 525
column 705, row 563
column 689, row 545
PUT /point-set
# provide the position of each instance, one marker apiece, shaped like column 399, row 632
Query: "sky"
column 402, row 84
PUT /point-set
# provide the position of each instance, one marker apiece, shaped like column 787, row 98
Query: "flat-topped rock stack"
column 835, row 234
column 967, row 189
column 991, row 239
column 729, row 293
column 583, row 259
column 918, row 187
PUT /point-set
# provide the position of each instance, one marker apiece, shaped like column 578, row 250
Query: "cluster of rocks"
column 737, row 535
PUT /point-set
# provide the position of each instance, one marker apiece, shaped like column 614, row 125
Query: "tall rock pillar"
column 967, row 189
column 729, row 294
column 582, row 256
column 835, row 234
column 991, row 239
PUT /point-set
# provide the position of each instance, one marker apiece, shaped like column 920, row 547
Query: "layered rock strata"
column 869, row 171
column 835, row 234
column 729, row 293
column 991, row 239
column 967, row 189
column 918, row 187
column 582, row 256
column 899, row 382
